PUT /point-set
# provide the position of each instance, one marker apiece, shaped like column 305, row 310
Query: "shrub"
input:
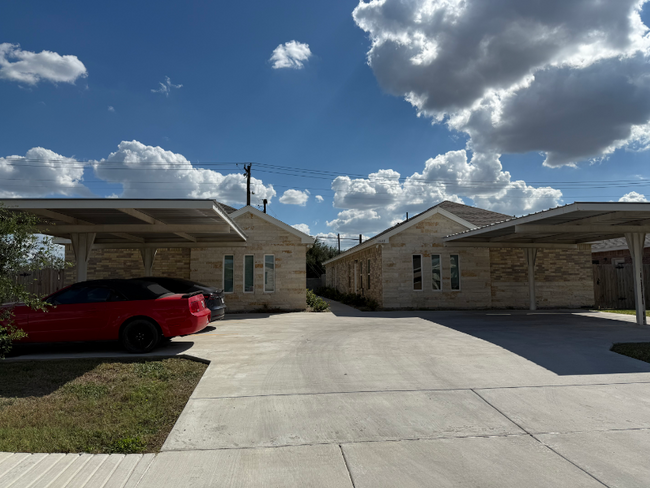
column 316, row 303
column 352, row 299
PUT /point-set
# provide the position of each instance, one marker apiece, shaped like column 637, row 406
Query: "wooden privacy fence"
column 43, row 282
column 614, row 285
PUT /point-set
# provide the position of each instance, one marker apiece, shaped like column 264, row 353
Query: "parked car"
column 214, row 298
column 138, row 313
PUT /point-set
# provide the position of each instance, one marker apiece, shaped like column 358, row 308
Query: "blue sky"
column 343, row 112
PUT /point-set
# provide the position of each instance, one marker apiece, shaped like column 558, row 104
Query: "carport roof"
column 135, row 223
column 562, row 227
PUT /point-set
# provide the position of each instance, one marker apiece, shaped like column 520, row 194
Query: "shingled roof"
column 473, row 215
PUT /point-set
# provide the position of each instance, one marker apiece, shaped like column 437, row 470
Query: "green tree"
column 316, row 255
column 21, row 251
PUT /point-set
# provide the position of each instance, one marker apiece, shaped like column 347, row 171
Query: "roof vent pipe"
column 265, row 201
column 407, row 216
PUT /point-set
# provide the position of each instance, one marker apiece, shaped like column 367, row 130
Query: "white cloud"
column 319, row 198
column 569, row 79
column 633, row 197
column 152, row 172
column 384, row 197
column 31, row 68
column 295, row 197
column 291, row 54
column 302, row 228
column 166, row 87
column 40, row 173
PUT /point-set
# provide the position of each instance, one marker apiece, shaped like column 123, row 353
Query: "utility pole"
column 265, row 201
column 247, row 174
column 338, row 236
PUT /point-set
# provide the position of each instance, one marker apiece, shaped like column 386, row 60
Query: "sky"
column 351, row 113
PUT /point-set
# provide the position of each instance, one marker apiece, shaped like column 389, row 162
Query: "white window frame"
column 274, row 281
column 243, row 284
column 460, row 281
column 224, row 274
column 421, row 273
column 440, row 269
column 368, row 274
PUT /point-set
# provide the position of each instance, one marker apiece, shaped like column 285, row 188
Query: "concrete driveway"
column 345, row 399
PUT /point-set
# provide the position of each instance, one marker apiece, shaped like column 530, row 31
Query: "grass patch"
column 636, row 350
column 626, row 312
column 94, row 406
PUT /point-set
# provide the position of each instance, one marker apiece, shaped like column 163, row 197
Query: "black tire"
column 139, row 336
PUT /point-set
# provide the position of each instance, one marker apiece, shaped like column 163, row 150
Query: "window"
column 228, row 274
column 436, row 282
column 455, row 271
column 249, row 273
column 269, row 272
column 417, row 272
column 368, row 271
column 81, row 294
column 361, row 275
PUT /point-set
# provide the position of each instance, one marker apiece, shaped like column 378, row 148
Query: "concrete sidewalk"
column 350, row 399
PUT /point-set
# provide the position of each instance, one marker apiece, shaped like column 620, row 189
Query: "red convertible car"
column 137, row 313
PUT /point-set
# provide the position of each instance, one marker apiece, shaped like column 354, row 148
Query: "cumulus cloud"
column 41, row 172
column 152, row 172
column 111, row 108
column 302, row 228
column 31, row 68
column 385, row 197
column 569, row 79
column 295, row 197
column 633, row 197
column 319, row 198
column 291, row 54
column 166, row 87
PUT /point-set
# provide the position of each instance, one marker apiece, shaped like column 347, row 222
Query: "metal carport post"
column 635, row 242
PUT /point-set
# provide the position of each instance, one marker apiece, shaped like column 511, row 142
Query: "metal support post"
column 531, row 255
column 635, row 243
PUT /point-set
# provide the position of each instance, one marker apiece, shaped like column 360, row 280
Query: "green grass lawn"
column 626, row 312
column 636, row 350
column 94, row 406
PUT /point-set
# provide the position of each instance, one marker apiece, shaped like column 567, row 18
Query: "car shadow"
column 565, row 342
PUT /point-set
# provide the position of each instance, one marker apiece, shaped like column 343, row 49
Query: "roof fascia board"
column 304, row 238
column 105, row 203
column 384, row 238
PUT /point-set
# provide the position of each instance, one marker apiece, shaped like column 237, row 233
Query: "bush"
column 316, row 303
column 352, row 299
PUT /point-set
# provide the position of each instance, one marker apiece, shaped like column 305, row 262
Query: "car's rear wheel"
column 139, row 336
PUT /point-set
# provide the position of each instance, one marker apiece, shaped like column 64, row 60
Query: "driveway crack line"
column 542, row 443
column 347, row 466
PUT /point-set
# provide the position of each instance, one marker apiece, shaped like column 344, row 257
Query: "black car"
column 214, row 298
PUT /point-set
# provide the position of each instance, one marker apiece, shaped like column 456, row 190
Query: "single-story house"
column 259, row 261
column 410, row 266
column 616, row 252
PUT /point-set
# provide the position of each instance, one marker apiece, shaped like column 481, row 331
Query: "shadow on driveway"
column 566, row 342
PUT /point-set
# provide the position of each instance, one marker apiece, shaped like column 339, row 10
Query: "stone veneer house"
column 408, row 266
column 267, row 272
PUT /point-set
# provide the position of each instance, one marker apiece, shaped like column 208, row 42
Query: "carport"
column 568, row 227
column 146, row 225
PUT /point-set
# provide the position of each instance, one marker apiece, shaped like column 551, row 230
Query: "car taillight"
column 196, row 306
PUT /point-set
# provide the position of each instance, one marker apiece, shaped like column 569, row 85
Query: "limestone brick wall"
column 206, row 266
column 425, row 238
column 563, row 278
column 340, row 274
column 127, row 263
